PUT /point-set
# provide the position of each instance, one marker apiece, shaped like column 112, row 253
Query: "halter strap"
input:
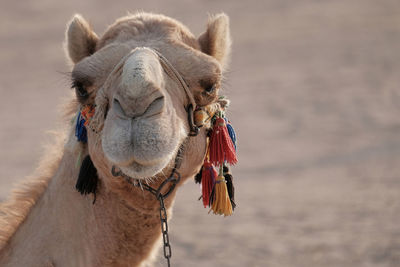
column 174, row 74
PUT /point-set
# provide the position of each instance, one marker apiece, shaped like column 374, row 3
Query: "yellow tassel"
column 221, row 204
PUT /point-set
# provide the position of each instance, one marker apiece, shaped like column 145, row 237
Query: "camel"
column 140, row 124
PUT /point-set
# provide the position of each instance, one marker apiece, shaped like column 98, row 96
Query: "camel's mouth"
column 138, row 171
column 135, row 173
column 143, row 147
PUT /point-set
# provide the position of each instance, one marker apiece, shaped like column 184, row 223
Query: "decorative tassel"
column 218, row 191
column 87, row 180
column 87, row 113
column 197, row 178
column 204, row 115
column 221, row 146
column 212, row 197
column 84, row 116
column 221, row 203
column 200, row 116
column 231, row 132
column 80, row 129
column 209, row 174
column 229, row 185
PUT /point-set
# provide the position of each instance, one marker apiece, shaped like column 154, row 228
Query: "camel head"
column 140, row 118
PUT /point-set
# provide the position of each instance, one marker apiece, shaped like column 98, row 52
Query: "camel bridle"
column 217, row 188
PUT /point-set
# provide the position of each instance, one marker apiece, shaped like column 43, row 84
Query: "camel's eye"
column 80, row 91
column 208, row 86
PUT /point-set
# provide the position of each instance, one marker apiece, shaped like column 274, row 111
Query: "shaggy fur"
column 14, row 211
column 123, row 227
column 82, row 40
column 216, row 40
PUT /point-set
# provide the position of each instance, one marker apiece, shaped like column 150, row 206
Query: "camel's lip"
column 139, row 171
column 116, row 172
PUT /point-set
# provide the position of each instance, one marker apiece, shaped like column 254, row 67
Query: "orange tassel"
column 221, row 147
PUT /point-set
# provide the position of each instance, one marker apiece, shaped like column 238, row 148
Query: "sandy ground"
column 315, row 99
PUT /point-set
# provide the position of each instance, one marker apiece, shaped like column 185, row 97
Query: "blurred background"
column 315, row 100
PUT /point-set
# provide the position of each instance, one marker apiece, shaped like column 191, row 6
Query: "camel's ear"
column 216, row 40
column 80, row 39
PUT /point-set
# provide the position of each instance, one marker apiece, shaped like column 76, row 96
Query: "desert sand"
column 315, row 102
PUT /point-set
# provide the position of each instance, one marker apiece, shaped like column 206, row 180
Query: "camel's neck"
column 63, row 223
column 64, row 228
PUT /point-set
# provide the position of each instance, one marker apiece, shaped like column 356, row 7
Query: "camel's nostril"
column 155, row 107
column 141, row 109
column 118, row 108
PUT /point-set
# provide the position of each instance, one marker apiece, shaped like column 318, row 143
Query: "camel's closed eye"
column 208, row 85
column 83, row 90
column 80, row 90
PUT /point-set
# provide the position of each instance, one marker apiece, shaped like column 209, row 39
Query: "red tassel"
column 221, row 147
column 209, row 174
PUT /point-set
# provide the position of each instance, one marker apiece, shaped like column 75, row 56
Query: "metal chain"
column 164, row 231
column 163, row 212
column 173, row 179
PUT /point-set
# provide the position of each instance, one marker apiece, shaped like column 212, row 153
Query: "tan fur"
column 123, row 227
column 125, row 28
column 80, row 39
column 216, row 40
column 26, row 194
column 14, row 211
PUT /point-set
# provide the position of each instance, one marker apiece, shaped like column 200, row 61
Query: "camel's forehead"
column 93, row 70
column 164, row 34
column 145, row 26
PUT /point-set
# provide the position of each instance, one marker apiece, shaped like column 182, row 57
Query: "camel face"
column 140, row 120
column 143, row 131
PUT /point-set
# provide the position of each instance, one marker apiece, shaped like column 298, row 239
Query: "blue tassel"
column 231, row 132
column 80, row 129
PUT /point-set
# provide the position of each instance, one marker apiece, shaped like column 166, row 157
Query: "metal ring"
column 171, row 179
column 194, row 130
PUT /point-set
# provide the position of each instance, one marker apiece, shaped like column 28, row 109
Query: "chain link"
column 164, row 231
column 173, row 180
